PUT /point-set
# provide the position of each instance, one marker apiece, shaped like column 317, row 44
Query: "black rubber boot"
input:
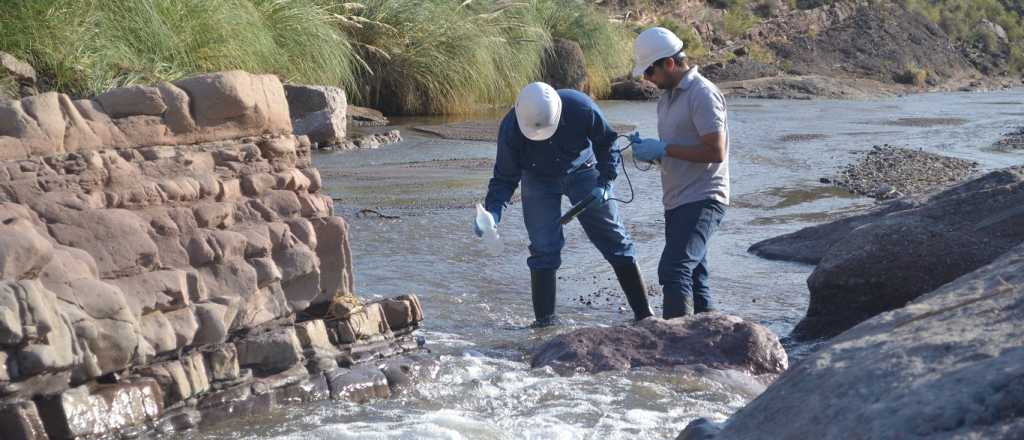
column 636, row 291
column 677, row 305
column 542, row 289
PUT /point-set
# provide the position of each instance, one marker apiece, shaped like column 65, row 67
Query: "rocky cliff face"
column 157, row 246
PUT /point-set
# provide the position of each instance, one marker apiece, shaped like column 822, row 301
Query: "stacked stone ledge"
column 167, row 259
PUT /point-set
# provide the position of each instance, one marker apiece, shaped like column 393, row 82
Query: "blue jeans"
column 542, row 207
column 683, row 270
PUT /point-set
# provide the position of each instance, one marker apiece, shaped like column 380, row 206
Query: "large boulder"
column 564, row 66
column 635, row 90
column 899, row 256
column 711, row 339
column 949, row 365
column 318, row 112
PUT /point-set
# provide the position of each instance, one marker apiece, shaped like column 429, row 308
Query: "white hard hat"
column 652, row 45
column 538, row 110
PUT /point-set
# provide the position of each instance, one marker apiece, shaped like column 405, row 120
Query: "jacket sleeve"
column 602, row 137
column 506, row 170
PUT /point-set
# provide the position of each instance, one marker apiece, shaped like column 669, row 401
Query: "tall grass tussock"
column 405, row 57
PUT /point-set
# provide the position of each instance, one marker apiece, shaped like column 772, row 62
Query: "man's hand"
column 649, row 150
column 476, row 227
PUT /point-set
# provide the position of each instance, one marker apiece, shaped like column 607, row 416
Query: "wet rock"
column 318, row 112
column 360, row 384
column 271, row 351
column 405, row 371
column 948, row 365
column 312, row 389
column 896, row 257
column 634, row 90
column 367, row 117
column 712, row 339
column 563, row 65
column 700, row 429
column 369, row 140
column 109, row 408
column 20, row 421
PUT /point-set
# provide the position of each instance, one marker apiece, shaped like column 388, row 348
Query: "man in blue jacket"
column 559, row 144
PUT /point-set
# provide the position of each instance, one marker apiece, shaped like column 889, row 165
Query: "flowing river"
column 477, row 305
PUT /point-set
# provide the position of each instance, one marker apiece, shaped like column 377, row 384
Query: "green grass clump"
column 405, row 57
column 432, row 57
column 85, row 47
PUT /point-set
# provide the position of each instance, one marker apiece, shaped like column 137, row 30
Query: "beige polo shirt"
column 694, row 108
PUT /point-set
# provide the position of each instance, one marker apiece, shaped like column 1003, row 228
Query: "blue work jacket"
column 583, row 137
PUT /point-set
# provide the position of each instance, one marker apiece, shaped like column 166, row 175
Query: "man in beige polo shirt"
column 693, row 149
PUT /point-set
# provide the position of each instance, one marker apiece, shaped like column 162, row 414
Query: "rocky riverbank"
column 948, row 365
column 886, row 172
column 168, row 259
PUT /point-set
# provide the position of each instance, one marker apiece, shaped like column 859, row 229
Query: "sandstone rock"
column 366, row 116
column 109, row 408
column 360, row 384
column 195, row 370
column 564, row 65
column 163, row 290
column 158, row 332
column 335, row 255
column 20, row 420
column 948, row 365
column 884, row 264
column 222, row 361
column 712, row 339
column 132, row 101
column 173, row 381
column 23, row 251
column 318, row 112
column 117, row 239
column 267, row 271
column 277, row 147
column 367, row 322
column 402, row 311
column 185, row 325
column 272, row 351
column 313, row 334
column 315, row 205
column 283, row 203
column 18, row 69
column 213, row 321
column 237, row 104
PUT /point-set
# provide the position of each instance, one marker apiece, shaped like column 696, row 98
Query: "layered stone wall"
column 165, row 254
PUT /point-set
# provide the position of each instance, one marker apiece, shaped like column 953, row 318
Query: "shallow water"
column 477, row 305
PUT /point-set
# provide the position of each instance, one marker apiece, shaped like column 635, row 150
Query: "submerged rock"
column 712, row 339
column 948, row 365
